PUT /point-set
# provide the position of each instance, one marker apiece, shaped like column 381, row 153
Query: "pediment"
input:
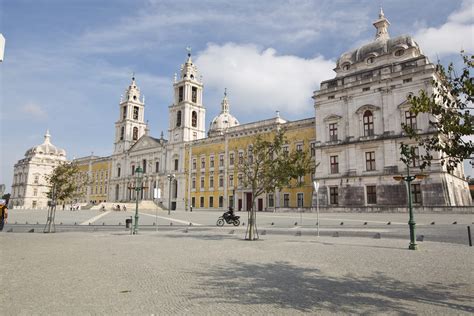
column 405, row 104
column 366, row 107
column 145, row 142
column 332, row 117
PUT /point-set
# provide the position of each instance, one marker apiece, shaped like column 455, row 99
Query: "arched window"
column 135, row 133
column 368, row 123
column 122, row 133
column 178, row 119
column 194, row 119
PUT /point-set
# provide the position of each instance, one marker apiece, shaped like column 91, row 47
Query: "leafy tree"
column 65, row 182
column 449, row 107
column 268, row 166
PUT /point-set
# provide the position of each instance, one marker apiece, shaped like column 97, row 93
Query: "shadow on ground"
column 290, row 287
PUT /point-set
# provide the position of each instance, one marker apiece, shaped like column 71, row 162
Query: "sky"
column 67, row 62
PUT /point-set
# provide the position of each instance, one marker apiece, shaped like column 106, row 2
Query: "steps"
column 142, row 205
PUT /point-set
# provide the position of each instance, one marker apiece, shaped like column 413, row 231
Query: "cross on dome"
column 381, row 24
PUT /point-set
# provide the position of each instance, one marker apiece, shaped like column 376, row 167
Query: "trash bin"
column 128, row 223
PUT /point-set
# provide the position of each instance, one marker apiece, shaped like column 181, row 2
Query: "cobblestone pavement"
column 214, row 272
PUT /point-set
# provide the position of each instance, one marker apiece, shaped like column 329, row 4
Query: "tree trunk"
column 252, row 233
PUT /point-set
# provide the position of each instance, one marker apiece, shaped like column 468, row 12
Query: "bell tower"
column 131, row 123
column 187, row 114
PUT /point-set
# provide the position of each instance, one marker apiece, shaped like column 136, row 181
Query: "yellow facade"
column 94, row 172
column 213, row 180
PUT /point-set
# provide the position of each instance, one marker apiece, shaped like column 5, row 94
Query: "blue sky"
column 68, row 61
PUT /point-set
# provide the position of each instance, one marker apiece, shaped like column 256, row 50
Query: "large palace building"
column 355, row 138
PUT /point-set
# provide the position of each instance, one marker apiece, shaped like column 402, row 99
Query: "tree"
column 267, row 166
column 65, row 182
column 449, row 107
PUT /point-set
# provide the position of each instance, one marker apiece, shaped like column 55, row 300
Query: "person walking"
column 3, row 213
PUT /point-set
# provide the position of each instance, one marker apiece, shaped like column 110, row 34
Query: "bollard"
column 454, row 223
column 75, row 223
column 342, row 223
column 469, row 235
column 190, row 224
column 26, row 223
column 272, row 223
column 432, row 223
column 37, row 223
column 296, row 223
column 103, row 224
column 365, row 223
column 389, row 223
column 171, row 223
column 154, row 224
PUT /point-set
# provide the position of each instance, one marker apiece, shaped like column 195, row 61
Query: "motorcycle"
column 229, row 220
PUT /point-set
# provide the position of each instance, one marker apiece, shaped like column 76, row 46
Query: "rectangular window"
column 271, row 201
column 231, row 200
column 193, row 201
column 240, row 180
column 416, row 193
column 370, row 160
column 157, row 166
column 334, row 161
column 221, row 201
column 333, row 195
column 118, row 172
column 231, row 180
column 144, row 165
column 180, row 94
column 211, row 181
column 221, row 160
column 366, row 89
column 202, row 183
column 193, row 183
column 332, row 132
column 194, row 163
column 35, row 192
column 241, row 157
column 211, row 162
column 122, row 133
column 133, row 170
column 201, row 201
column 176, row 164
column 300, row 199
column 286, row 200
column 410, row 119
column 285, row 151
column 371, row 194
column 313, row 149
column 407, row 80
column 211, row 201
column 231, row 159
column 221, row 181
column 194, row 94
column 203, row 162
column 299, row 147
column 36, row 179
column 368, row 123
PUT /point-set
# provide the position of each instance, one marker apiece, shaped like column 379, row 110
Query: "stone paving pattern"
column 217, row 273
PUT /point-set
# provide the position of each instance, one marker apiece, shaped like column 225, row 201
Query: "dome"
column 382, row 45
column 46, row 148
column 224, row 120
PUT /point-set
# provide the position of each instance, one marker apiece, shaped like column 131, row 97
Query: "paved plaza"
column 204, row 270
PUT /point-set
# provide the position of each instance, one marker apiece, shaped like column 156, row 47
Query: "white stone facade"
column 29, row 186
column 358, row 128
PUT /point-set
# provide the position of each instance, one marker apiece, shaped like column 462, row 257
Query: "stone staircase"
column 142, row 205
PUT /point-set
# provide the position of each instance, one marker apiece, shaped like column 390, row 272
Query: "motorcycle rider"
column 229, row 214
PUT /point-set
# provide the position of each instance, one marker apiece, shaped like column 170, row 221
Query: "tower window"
column 135, row 112
column 370, row 161
column 180, row 94
column 122, row 132
column 134, row 97
column 194, row 94
column 144, row 165
column 333, row 131
column 135, row 133
column 176, row 162
column 194, row 119
column 178, row 119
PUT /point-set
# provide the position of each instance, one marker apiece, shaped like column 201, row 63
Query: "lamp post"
column 138, row 188
column 316, row 188
column 171, row 177
column 411, row 222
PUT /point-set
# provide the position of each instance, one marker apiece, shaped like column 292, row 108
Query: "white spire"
column 225, row 106
column 381, row 24
column 47, row 137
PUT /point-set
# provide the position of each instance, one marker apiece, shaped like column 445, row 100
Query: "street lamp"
column 138, row 188
column 316, row 188
column 171, row 177
column 411, row 222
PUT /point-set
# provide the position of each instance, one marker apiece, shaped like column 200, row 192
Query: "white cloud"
column 261, row 81
column 33, row 110
column 450, row 38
